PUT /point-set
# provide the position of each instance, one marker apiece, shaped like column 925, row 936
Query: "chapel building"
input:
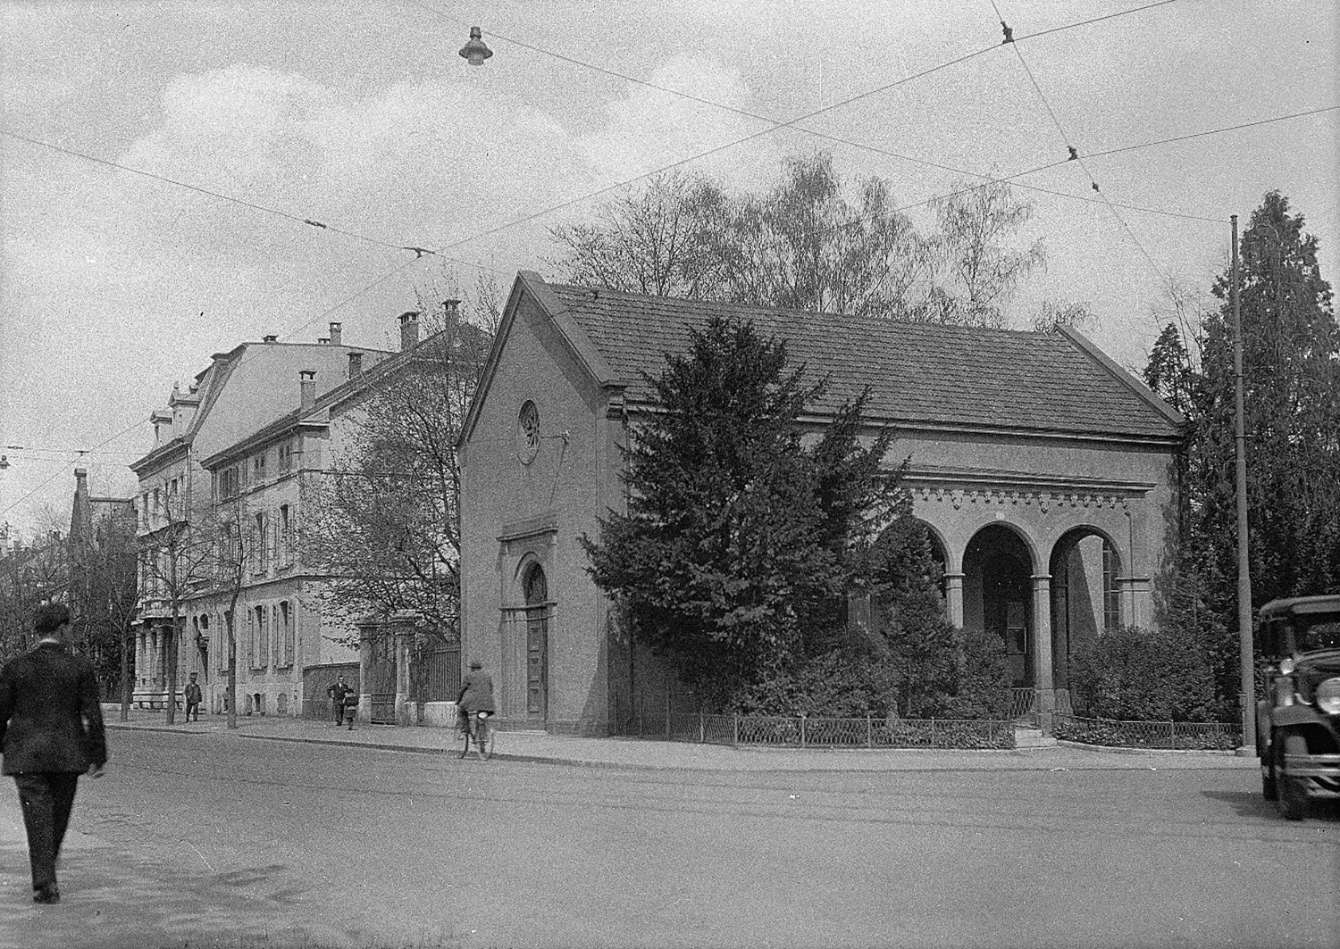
column 1042, row 469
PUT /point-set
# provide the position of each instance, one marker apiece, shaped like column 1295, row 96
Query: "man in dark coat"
column 476, row 693
column 193, row 697
column 339, row 695
column 50, row 733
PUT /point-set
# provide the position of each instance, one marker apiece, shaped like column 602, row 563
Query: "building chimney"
column 452, row 309
column 270, row 339
column 409, row 330
column 307, row 387
column 355, row 365
column 335, row 330
column 81, row 518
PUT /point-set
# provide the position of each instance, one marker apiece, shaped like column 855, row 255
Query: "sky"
column 362, row 116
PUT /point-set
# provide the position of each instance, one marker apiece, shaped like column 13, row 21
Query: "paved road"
column 219, row 836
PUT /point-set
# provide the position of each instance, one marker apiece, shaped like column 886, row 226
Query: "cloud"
column 107, row 272
column 649, row 128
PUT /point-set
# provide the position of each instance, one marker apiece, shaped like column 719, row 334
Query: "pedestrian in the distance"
column 50, row 733
column 193, row 697
column 339, row 694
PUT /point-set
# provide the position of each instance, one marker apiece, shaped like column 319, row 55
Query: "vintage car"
column 1298, row 723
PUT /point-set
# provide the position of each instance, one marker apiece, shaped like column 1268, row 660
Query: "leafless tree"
column 382, row 524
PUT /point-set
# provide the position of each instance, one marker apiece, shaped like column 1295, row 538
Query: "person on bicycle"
column 476, row 693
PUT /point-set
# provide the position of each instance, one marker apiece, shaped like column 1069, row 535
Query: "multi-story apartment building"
column 260, row 488
column 241, row 391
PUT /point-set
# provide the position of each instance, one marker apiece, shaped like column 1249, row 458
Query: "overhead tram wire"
column 134, row 425
column 233, row 199
column 1075, row 153
column 790, row 123
column 779, row 124
column 1226, row 128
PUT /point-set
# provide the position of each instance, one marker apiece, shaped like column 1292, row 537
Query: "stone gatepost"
column 367, row 635
column 403, row 628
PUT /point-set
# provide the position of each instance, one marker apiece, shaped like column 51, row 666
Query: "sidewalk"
column 639, row 753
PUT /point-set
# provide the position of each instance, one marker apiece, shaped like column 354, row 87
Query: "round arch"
column 534, row 590
column 1084, row 565
column 999, row 563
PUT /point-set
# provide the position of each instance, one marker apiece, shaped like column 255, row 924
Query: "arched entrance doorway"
column 536, row 591
column 997, row 595
column 1086, row 602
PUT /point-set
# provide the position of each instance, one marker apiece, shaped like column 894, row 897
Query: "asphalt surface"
column 207, row 839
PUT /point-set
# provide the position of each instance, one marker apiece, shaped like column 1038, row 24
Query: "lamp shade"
column 475, row 52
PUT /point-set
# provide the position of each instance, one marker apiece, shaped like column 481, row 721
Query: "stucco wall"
column 540, row 509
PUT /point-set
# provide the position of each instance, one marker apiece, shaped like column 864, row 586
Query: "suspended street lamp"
column 475, row 52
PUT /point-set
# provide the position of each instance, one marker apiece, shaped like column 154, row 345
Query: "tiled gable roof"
column 916, row 372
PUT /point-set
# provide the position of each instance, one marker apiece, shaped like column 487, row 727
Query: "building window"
column 260, row 553
column 285, row 536
column 285, row 457
column 258, row 468
column 261, row 645
column 285, row 632
column 228, row 483
column 1111, row 594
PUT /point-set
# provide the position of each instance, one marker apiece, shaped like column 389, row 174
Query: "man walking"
column 193, row 697
column 339, row 694
column 50, row 733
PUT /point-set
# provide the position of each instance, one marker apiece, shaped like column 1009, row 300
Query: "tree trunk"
column 170, row 657
column 232, row 665
column 126, row 685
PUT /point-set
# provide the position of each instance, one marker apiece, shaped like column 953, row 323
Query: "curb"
column 831, row 755
column 1134, row 750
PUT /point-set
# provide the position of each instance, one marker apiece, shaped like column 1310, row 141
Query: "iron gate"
column 381, row 681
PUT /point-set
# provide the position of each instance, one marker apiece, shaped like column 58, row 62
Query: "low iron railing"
column 1176, row 736
column 1024, row 706
column 805, row 731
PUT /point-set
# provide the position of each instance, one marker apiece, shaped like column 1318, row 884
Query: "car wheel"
column 1292, row 799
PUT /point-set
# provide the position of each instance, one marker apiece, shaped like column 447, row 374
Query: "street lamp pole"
column 1247, row 685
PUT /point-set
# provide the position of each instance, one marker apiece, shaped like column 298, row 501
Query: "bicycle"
column 477, row 729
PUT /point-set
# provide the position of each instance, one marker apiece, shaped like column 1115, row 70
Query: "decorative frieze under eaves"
column 1004, row 489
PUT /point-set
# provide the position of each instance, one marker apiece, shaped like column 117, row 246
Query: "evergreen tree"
column 1291, row 391
column 738, row 541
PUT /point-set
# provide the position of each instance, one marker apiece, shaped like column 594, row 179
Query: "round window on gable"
column 528, row 432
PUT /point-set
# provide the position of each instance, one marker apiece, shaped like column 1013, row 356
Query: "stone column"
column 954, row 599
column 140, row 653
column 1042, row 649
column 366, row 634
column 404, row 642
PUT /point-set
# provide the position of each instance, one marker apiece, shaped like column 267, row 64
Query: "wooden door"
column 537, row 645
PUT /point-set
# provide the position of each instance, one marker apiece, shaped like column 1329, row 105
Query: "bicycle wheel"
column 465, row 740
column 483, row 738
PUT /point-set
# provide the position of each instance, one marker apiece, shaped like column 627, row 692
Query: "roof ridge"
column 808, row 315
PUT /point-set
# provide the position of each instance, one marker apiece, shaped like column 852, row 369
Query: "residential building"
column 290, row 641
column 241, row 391
column 1040, row 467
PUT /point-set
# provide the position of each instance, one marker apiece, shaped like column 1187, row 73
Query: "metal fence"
column 1185, row 736
column 1024, row 706
column 804, row 731
column 440, row 674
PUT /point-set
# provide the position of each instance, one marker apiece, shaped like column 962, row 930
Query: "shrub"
column 835, row 684
column 1141, row 674
column 982, row 689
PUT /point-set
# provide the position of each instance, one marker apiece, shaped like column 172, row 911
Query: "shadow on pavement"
column 114, row 902
column 1252, row 804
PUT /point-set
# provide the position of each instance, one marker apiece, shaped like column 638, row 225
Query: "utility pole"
column 1247, row 685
